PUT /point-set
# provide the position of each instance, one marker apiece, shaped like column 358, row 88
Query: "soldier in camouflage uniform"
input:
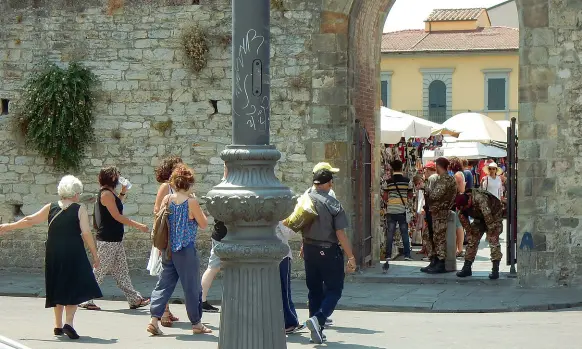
column 487, row 214
column 440, row 198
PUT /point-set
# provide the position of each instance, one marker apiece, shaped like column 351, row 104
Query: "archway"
column 549, row 81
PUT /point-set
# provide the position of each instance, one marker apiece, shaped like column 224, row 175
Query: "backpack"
column 161, row 228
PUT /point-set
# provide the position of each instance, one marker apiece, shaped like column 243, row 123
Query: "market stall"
column 404, row 137
column 475, row 127
column 468, row 150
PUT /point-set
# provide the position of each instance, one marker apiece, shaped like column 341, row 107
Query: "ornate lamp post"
column 251, row 200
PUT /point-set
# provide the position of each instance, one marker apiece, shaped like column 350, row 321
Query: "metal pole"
column 513, row 198
column 251, row 200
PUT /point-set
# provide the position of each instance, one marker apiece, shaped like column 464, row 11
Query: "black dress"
column 69, row 276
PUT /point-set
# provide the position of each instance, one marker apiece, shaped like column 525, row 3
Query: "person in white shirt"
column 493, row 183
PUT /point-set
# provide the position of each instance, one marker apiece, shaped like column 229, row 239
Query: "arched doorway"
column 548, row 86
column 437, row 101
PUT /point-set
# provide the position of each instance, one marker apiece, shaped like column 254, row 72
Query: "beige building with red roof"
column 458, row 63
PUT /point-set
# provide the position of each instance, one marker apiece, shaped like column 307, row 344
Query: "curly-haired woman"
column 163, row 173
column 69, row 279
column 184, row 265
column 109, row 222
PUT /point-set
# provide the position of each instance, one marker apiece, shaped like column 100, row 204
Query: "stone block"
column 334, row 22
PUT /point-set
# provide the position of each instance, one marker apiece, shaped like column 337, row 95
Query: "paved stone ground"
column 25, row 320
column 445, row 297
column 409, row 271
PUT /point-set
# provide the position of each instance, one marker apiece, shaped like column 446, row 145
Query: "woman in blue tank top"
column 184, row 265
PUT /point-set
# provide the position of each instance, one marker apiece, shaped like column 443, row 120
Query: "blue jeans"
column 391, row 220
column 289, row 312
column 324, row 277
column 184, row 266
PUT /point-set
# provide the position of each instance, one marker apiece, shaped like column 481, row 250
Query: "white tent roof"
column 394, row 125
column 476, row 127
column 504, row 124
column 467, row 150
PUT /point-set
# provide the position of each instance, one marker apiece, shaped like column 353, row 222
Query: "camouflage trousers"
column 478, row 228
column 439, row 238
column 427, row 242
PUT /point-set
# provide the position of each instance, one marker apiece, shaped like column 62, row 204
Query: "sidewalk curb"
column 369, row 307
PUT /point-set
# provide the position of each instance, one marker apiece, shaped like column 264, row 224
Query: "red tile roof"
column 482, row 39
column 466, row 14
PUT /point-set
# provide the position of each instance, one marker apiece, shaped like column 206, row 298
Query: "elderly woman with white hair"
column 69, row 278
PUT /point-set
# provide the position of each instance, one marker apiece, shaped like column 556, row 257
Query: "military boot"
column 466, row 271
column 438, row 268
column 431, row 265
column 494, row 271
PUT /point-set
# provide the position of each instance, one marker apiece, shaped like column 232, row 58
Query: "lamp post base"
column 251, row 312
column 251, row 201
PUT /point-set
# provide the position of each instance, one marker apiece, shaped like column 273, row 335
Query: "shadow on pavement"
column 304, row 340
column 354, row 330
column 83, row 339
column 209, row 338
column 141, row 312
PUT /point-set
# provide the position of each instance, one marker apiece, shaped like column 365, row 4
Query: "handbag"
column 161, row 228
column 303, row 214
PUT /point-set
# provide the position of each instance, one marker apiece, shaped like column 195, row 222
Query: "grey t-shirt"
column 331, row 217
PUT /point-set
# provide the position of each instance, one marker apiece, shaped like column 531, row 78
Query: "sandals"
column 154, row 331
column 172, row 317
column 166, row 319
column 200, row 329
column 89, row 306
column 144, row 302
column 461, row 254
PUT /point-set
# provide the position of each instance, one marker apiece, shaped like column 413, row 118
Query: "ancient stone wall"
column 136, row 53
column 549, row 206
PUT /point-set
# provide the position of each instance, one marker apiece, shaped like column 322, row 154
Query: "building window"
column 386, row 88
column 437, row 93
column 437, row 101
column 497, row 89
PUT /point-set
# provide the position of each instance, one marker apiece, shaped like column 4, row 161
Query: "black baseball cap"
column 322, row 177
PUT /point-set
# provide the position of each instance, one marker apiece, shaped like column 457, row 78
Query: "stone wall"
column 324, row 76
column 550, row 136
column 136, row 54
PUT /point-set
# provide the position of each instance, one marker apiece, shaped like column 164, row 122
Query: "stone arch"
column 549, row 81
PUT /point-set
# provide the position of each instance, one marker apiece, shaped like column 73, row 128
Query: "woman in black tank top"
column 109, row 222
column 69, row 279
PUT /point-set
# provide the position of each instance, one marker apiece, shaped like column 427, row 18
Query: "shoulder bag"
column 161, row 228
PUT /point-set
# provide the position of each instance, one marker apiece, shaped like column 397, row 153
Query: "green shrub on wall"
column 56, row 113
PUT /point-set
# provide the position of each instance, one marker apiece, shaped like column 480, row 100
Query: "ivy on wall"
column 56, row 113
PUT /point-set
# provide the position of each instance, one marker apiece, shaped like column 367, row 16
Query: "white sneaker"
column 313, row 326
column 328, row 322
column 408, row 259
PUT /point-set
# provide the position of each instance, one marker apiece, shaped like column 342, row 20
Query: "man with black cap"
column 324, row 245
column 487, row 213
column 440, row 198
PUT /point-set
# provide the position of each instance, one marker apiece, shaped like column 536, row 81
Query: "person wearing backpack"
column 179, row 218
column 396, row 195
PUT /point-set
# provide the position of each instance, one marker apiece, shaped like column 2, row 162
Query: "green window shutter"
column 496, row 94
column 384, row 92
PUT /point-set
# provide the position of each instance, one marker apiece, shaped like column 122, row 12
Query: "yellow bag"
column 303, row 214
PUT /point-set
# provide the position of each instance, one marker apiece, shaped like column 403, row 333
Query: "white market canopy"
column 504, row 124
column 394, row 125
column 467, row 150
column 475, row 127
